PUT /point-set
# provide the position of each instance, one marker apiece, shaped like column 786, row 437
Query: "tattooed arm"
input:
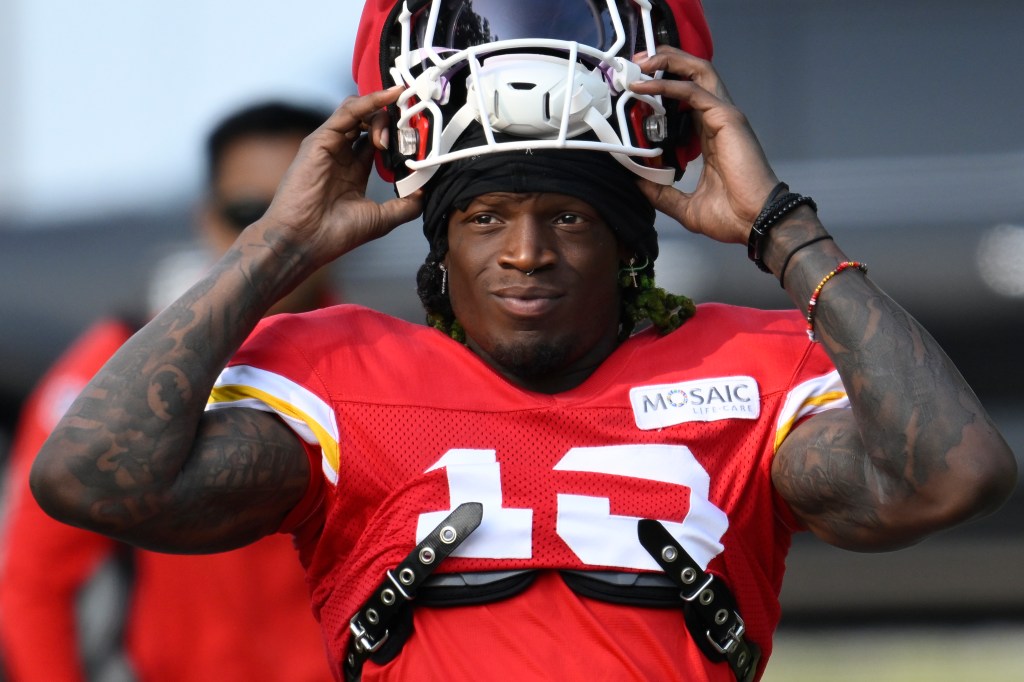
column 917, row 452
column 136, row 457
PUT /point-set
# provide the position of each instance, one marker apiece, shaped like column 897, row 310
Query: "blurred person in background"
column 241, row 615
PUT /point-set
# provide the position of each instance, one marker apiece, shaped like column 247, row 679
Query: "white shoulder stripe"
column 813, row 396
column 306, row 413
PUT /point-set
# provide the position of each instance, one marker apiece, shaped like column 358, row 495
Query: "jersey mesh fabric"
column 423, row 424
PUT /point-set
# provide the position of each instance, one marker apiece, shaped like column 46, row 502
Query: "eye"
column 574, row 223
column 570, row 219
column 483, row 219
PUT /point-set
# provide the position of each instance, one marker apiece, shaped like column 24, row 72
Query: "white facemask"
column 544, row 73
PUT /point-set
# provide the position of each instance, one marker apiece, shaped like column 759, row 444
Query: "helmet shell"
column 686, row 28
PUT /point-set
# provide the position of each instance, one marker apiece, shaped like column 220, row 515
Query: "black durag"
column 592, row 176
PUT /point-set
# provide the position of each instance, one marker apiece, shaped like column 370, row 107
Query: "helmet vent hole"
column 522, row 86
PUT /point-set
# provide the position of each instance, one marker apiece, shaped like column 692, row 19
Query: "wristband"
column 769, row 217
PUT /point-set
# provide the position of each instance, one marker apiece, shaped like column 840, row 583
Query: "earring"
column 444, row 278
column 632, row 269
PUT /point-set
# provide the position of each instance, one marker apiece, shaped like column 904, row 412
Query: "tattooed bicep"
column 820, row 471
column 247, row 471
column 247, row 449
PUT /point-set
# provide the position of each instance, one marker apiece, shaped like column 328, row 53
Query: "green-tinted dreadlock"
column 640, row 303
column 644, row 301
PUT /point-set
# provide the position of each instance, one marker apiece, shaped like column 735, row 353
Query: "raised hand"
column 322, row 201
column 736, row 179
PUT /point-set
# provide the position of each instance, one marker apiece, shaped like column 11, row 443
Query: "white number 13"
column 585, row 523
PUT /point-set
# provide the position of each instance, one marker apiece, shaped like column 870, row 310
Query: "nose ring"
column 531, row 272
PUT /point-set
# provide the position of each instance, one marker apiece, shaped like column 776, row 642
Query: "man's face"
column 549, row 330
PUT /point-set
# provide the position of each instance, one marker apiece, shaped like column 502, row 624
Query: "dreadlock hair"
column 639, row 304
column 435, row 302
column 643, row 301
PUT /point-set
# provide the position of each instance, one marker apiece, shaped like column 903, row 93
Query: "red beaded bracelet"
column 813, row 303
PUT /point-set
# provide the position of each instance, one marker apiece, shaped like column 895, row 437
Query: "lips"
column 527, row 301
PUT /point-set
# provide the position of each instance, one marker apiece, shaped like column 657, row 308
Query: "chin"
column 531, row 360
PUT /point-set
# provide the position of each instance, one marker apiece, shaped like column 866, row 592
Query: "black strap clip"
column 710, row 609
column 371, row 625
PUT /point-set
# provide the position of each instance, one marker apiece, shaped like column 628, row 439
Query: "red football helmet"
column 536, row 73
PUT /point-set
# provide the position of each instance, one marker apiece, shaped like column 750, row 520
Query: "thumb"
column 397, row 211
column 665, row 198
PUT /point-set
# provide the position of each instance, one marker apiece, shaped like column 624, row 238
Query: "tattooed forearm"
column 895, row 371
column 129, row 458
column 919, row 452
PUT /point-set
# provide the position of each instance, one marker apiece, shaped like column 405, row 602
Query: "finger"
column 364, row 151
column 685, row 66
column 712, row 111
column 355, row 112
column 666, row 199
column 379, row 130
column 398, row 211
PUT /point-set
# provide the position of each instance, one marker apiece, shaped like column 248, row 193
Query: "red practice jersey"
column 405, row 424
column 232, row 617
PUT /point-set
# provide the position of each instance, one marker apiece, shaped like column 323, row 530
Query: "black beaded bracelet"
column 769, row 217
column 777, row 191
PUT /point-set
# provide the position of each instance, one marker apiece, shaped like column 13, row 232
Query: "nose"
column 528, row 246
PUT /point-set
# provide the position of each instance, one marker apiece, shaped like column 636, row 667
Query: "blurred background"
column 903, row 120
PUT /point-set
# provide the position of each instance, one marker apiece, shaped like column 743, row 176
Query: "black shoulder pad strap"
column 711, row 612
column 370, row 625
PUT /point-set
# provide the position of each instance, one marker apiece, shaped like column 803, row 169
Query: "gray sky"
column 103, row 104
